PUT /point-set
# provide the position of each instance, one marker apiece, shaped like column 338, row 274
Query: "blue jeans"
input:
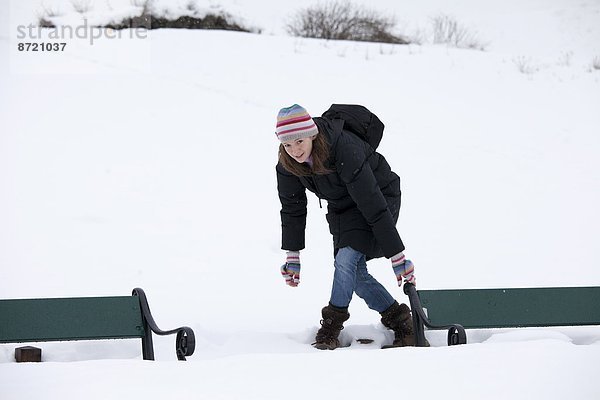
column 351, row 276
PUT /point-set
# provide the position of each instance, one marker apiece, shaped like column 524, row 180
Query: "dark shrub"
column 341, row 20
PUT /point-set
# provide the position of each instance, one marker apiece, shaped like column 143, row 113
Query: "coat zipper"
column 318, row 192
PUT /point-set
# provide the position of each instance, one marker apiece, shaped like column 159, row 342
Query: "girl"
column 363, row 203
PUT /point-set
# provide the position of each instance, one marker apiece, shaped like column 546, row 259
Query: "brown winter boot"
column 331, row 326
column 397, row 317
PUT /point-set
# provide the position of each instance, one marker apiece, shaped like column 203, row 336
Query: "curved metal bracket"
column 185, row 342
column 456, row 332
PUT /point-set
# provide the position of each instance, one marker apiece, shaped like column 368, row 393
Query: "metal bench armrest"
column 185, row 342
column 456, row 332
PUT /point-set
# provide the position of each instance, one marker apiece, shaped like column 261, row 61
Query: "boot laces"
column 327, row 331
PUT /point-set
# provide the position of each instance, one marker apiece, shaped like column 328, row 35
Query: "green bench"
column 87, row 318
column 460, row 309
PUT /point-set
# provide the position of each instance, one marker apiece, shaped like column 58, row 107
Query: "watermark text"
column 85, row 31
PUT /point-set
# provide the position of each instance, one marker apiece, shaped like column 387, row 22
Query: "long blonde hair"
column 320, row 155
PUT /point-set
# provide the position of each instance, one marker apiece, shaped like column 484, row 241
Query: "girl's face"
column 299, row 149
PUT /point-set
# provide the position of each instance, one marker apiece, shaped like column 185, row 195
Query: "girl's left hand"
column 403, row 269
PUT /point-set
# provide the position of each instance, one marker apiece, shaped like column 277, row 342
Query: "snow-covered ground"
column 149, row 162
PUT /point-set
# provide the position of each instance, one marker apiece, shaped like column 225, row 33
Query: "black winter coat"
column 363, row 197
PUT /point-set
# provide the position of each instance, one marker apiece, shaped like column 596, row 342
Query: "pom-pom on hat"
column 294, row 123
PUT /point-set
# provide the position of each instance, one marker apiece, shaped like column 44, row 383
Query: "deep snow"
column 149, row 162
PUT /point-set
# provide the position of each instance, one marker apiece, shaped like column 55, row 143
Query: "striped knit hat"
column 294, row 123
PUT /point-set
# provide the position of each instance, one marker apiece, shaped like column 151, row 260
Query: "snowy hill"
column 150, row 163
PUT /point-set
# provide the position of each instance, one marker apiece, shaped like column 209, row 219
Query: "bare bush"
column 341, row 20
column 446, row 30
column 565, row 59
column 45, row 15
column 419, row 36
column 145, row 5
column 82, row 6
column 49, row 11
column 525, row 65
column 45, row 23
column 192, row 6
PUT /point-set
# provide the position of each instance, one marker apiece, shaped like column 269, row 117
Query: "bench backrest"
column 522, row 307
column 78, row 318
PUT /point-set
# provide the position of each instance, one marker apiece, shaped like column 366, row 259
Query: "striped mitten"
column 291, row 269
column 403, row 269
